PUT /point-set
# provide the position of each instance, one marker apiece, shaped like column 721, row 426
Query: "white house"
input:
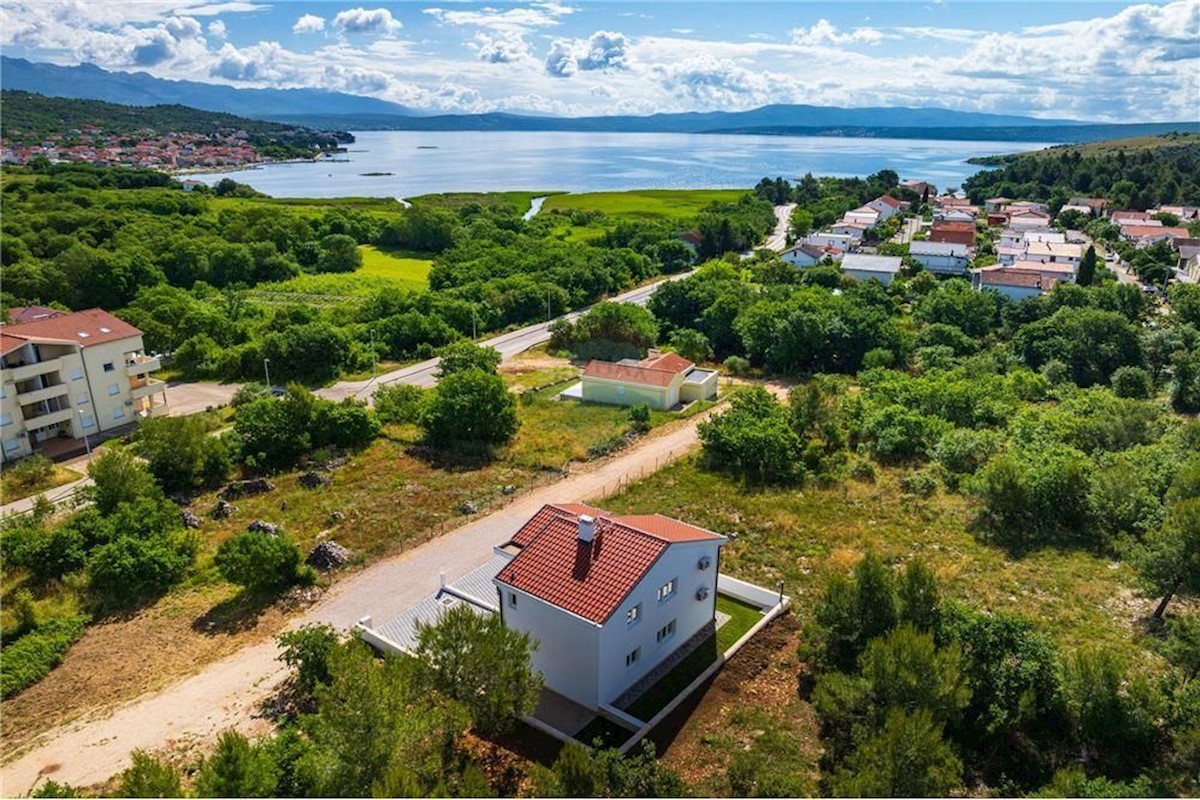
column 864, row 267
column 607, row 597
column 954, row 215
column 660, row 381
column 864, row 215
column 67, row 375
column 803, row 255
column 854, row 230
column 947, row 258
column 994, row 204
column 1028, row 218
column 886, row 207
column 842, row 241
column 1061, row 271
column 1012, row 283
column 1054, row 253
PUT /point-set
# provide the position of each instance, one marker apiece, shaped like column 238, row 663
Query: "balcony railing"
column 142, row 365
column 149, row 387
column 47, row 393
column 28, row 371
column 47, row 419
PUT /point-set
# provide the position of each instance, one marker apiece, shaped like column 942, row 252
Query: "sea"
column 405, row 164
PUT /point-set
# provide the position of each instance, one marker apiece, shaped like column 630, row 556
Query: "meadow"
column 672, row 205
column 381, row 269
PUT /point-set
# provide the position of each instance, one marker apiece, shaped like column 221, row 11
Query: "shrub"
column 180, row 453
column 691, row 344
column 471, row 406
column 737, row 365
column 119, row 478
column 463, row 355
column 639, row 417
column 754, row 439
column 30, row 471
column 249, row 392
column 258, row 560
column 237, row 768
column 878, row 357
column 148, row 776
column 399, row 403
column 1132, row 382
column 922, row 484
column 30, row 658
column 307, row 650
column 130, row 567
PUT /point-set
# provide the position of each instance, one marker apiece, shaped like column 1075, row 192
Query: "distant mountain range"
column 339, row 111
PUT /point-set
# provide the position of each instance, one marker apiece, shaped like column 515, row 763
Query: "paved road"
column 777, row 241
column 509, row 344
column 909, row 227
column 226, row 693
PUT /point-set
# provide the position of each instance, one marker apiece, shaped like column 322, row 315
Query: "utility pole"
column 87, row 446
column 267, row 371
column 547, row 306
column 474, row 334
column 374, row 357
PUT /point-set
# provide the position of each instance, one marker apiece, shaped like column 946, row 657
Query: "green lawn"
column 13, row 489
column 741, row 619
column 676, row 205
column 381, row 269
column 458, row 199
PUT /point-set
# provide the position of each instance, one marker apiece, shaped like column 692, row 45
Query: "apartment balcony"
column 28, row 371
column 48, row 393
column 150, row 387
column 48, row 419
column 160, row 410
column 142, row 365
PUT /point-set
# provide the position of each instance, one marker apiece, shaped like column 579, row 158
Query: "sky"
column 1093, row 60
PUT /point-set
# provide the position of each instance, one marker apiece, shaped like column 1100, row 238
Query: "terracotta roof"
column 1042, row 266
column 953, row 225
column 85, row 328
column 1140, row 231
column 891, row 201
column 590, row 579
column 658, row 371
column 1009, row 277
column 9, row 343
column 18, row 316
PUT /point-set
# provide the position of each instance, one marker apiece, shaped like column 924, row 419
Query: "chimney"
column 653, row 353
column 587, row 528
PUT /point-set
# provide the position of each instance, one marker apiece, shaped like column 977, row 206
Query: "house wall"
column 568, row 651
column 798, row 258
column 111, row 410
column 939, row 263
column 705, row 390
column 618, row 638
column 598, row 390
column 864, row 275
column 1016, row 293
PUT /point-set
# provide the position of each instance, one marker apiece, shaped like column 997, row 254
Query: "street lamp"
column 82, row 427
column 547, row 306
column 474, row 333
column 267, row 371
column 374, row 357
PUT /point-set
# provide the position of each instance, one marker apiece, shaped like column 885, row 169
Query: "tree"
column 148, row 776
column 853, row 611
column 399, row 403
column 463, row 355
column 470, row 406
column 1087, row 267
column 181, row 454
column 483, row 664
column 691, row 344
column 307, row 650
column 375, row 723
column 904, row 669
column 259, row 561
column 339, row 253
column 754, row 439
column 907, row 758
column 577, row 774
column 918, row 596
column 237, row 768
column 1114, row 714
column 134, row 564
column 801, row 222
column 609, row 331
column 1170, row 557
column 119, row 478
column 1132, row 382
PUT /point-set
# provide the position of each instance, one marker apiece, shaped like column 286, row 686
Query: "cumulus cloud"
column 362, row 20
column 309, row 23
column 217, row 29
column 500, row 48
column 355, row 81
column 260, row 63
column 713, row 82
column 824, row 33
column 514, row 20
column 601, row 50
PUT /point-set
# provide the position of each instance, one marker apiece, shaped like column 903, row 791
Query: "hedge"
column 30, row 658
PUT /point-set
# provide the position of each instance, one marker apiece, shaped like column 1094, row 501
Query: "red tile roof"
column 9, row 343
column 17, row 316
column 98, row 325
column 591, row 579
column 891, row 201
column 658, row 371
column 1144, row 231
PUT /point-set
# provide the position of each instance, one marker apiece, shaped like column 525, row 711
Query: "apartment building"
column 64, row 375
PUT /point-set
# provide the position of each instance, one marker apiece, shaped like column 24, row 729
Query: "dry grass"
column 12, row 490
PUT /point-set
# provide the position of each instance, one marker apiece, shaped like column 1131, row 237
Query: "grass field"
column 11, row 490
column 674, row 205
column 458, row 199
column 381, row 269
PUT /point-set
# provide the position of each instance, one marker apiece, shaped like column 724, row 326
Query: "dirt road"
column 227, row 693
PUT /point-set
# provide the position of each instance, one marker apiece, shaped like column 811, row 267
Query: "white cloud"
column 601, row 50
column 501, row 48
column 355, row 81
column 514, row 20
column 714, row 83
column 362, row 20
column 309, row 23
column 217, row 28
column 824, row 33
column 264, row 62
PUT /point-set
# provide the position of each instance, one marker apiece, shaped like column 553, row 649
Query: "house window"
column 666, row 590
column 118, row 412
column 665, row 632
column 512, row 599
column 114, row 389
column 11, row 445
column 5, row 418
column 77, row 374
column 88, row 421
column 82, row 399
column 632, row 657
column 108, row 366
column 633, row 614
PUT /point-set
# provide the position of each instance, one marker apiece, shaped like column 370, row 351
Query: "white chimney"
column 587, row 527
column 653, row 352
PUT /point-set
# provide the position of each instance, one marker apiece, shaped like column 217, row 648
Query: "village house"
column 886, row 207
column 920, row 188
column 1184, row 213
column 954, row 215
column 1028, row 218
column 945, row 258
column 1061, row 272
column 660, row 381
column 1054, row 253
column 955, row 232
column 863, row 215
column 1146, row 234
column 804, row 255
column 854, row 230
column 1094, row 206
column 842, row 241
column 67, row 375
column 866, row 267
column 1187, row 248
column 1014, row 284
column 608, row 598
column 1135, row 217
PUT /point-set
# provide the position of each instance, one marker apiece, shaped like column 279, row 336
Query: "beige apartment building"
column 65, row 375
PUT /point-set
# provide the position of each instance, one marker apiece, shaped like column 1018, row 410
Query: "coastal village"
column 169, row 151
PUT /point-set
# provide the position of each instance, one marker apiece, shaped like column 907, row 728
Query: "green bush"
column 639, row 417
column 30, row 658
column 399, row 403
column 30, row 471
column 129, row 567
column 737, row 365
column 258, row 560
column 922, row 484
column 471, row 406
column 148, row 776
column 1132, row 382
